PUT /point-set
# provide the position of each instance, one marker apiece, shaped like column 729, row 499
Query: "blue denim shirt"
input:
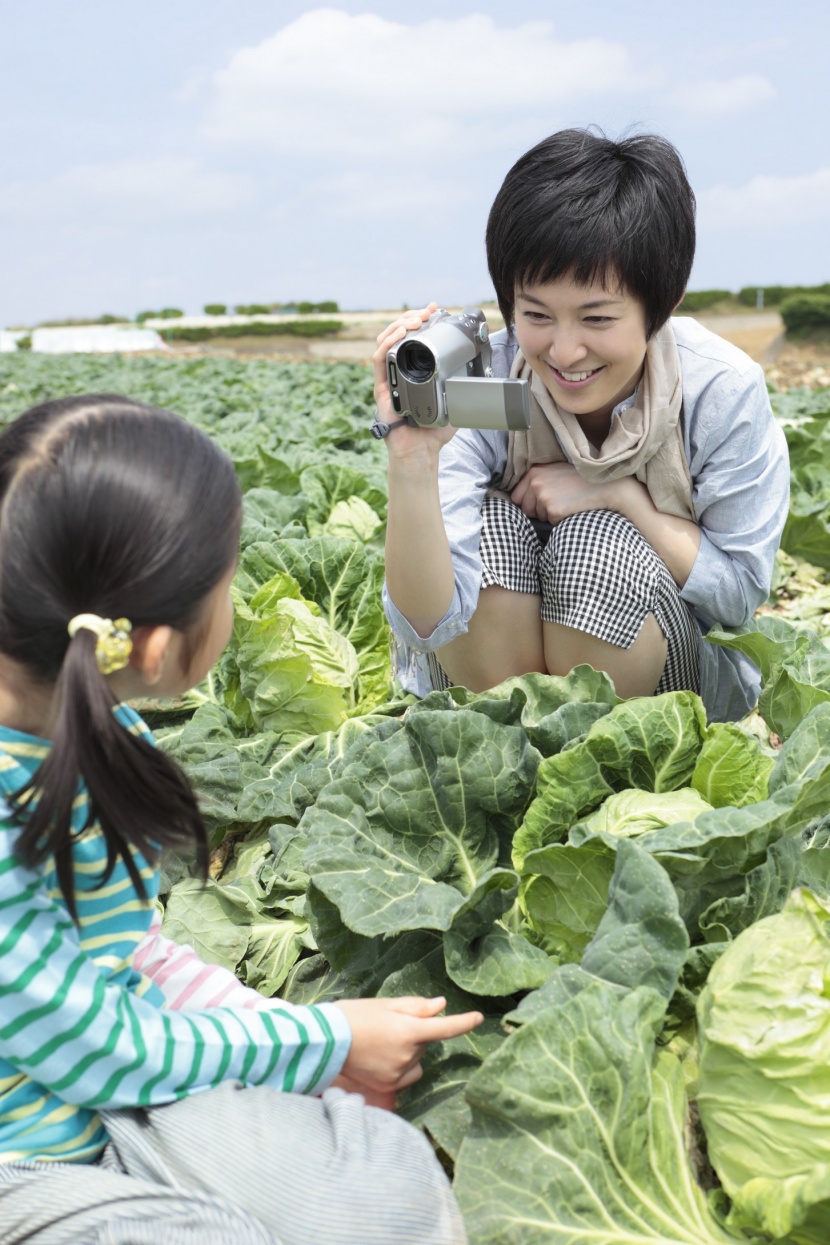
column 738, row 462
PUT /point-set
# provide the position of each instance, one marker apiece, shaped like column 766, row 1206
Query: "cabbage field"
column 637, row 900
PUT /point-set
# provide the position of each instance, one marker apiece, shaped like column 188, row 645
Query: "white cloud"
column 335, row 83
column 715, row 97
column 142, row 188
column 767, row 201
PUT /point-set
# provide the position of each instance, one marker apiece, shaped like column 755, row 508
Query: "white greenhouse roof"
column 95, row 339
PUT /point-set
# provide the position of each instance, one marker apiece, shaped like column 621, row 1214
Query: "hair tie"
column 113, row 647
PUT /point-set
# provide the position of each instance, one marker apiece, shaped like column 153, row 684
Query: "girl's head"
column 111, row 508
column 580, row 206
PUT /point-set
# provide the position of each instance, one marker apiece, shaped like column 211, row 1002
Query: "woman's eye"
column 599, row 319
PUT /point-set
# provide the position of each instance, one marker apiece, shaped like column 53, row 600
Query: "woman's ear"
column 150, row 650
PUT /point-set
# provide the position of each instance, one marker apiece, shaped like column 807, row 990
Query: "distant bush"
column 81, row 322
column 215, row 309
column 307, row 309
column 699, row 300
column 258, row 328
column 806, row 311
column 24, row 343
column 166, row 313
column 774, row 295
column 254, row 309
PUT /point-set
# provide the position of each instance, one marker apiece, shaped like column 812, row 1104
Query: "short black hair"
column 579, row 204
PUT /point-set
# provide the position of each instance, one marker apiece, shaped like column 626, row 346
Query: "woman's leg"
column 597, row 593
column 608, row 600
column 504, row 637
column 635, row 671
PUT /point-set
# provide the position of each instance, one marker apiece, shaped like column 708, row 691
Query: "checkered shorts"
column 595, row 573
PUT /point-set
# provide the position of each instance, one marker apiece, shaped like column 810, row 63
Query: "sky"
column 160, row 153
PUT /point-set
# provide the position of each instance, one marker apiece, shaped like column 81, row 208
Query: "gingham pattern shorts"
column 595, row 573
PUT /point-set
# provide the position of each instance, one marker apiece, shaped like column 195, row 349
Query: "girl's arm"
column 188, row 983
column 95, row 1044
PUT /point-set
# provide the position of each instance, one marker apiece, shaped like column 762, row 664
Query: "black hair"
column 580, row 205
column 113, row 508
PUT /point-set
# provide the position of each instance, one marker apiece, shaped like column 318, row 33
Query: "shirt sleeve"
column 468, row 465
column 740, row 468
column 186, row 981
column 96, row 1044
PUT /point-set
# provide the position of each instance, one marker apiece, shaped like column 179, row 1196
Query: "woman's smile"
column 586, row 343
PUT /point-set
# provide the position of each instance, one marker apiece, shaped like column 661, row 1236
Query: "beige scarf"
column 645, row 441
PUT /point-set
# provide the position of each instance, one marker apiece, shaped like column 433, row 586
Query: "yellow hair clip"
column 113, row 648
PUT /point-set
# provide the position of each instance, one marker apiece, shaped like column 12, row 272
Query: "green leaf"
column 410, row 826
column 731, row 768
column 483, row 956
column 641, row 940
column 794, row 664
column 565, row 894
column 650, row 743
column 201, row 916
column 344, row 581
column 577, row 1132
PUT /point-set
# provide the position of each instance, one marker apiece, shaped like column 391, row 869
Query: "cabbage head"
column 631, row 812
column 764, row 1089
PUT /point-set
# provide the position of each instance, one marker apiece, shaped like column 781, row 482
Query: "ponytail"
column 128, row 781
column 126, row 510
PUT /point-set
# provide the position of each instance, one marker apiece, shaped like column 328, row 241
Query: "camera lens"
column 416, row 362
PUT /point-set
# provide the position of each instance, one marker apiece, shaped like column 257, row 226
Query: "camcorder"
column 441, row 374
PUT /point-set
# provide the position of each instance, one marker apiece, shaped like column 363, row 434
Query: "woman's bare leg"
column 504, row 639
column 636, row 671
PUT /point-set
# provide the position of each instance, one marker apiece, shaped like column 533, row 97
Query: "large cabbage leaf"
column 794, row 665
column 579, row 1120
column 414, row 834
column 764, row 1092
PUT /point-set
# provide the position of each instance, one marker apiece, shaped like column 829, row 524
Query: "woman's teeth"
column 573, row 376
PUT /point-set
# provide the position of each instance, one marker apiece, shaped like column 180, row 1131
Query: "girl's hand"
column 404, row 441
column 552, row 491
column 389, row 1037
column 373, row 1097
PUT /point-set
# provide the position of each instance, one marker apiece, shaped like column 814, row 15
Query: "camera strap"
column 380, row 430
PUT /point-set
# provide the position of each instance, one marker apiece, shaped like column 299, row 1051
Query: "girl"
column 647, row 500
column 143, row 1094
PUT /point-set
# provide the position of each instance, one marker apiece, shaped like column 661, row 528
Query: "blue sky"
column 178, row 152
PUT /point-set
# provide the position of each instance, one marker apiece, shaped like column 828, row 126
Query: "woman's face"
column 586, row 343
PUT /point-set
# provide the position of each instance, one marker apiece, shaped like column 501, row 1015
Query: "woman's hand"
column 552, row 491
column 404, row 441
column 389, row 1037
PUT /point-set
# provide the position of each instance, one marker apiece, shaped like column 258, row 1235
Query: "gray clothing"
column 738, row 462
column 251, row 1166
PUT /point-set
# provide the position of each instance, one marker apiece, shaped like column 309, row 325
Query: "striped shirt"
column 107, row 1013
